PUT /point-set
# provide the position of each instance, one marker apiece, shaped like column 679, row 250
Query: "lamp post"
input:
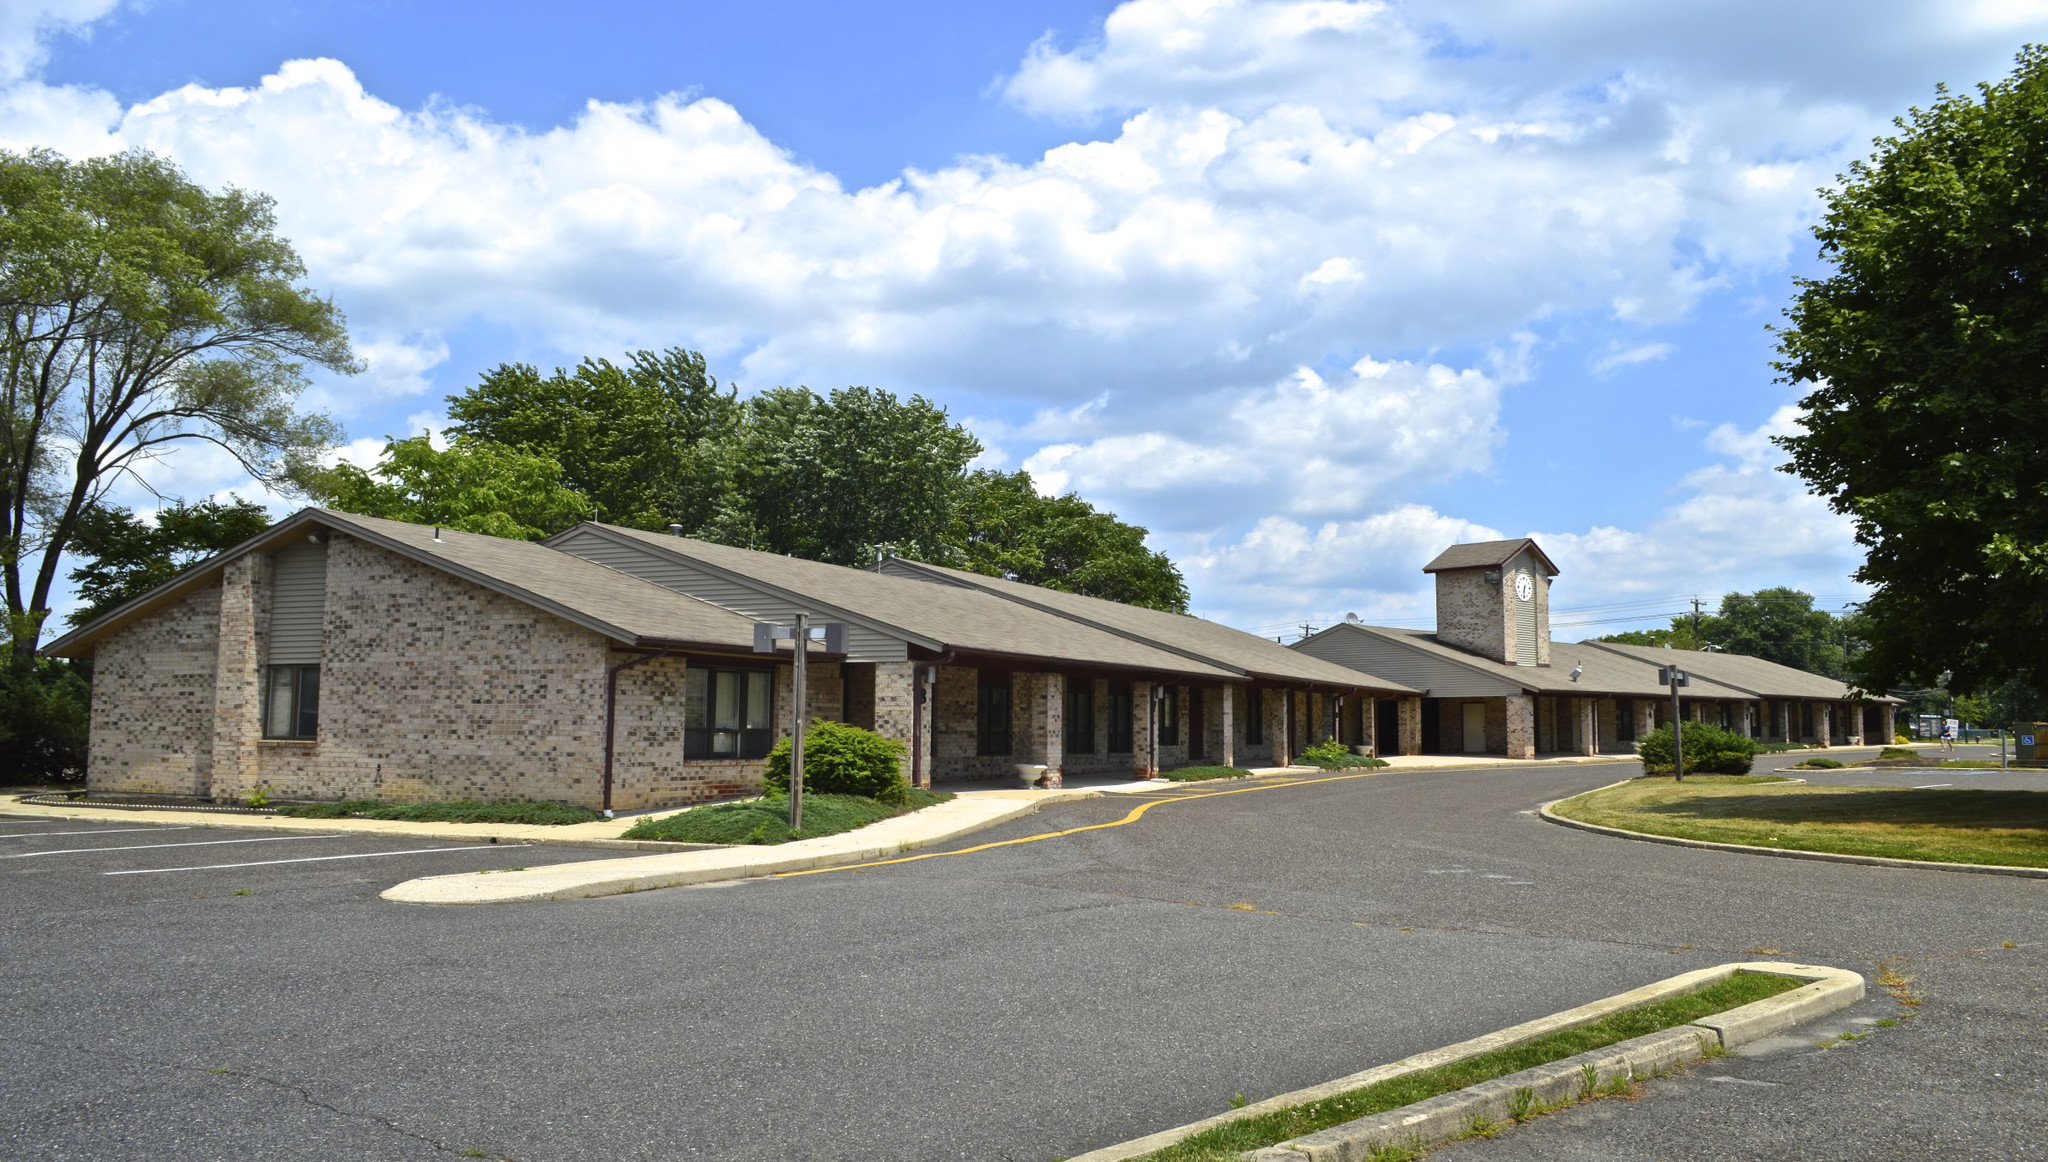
column 1674, row 677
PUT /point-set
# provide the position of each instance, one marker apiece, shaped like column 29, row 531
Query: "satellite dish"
column 1350, row 619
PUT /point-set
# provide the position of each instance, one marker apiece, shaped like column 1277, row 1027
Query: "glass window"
column 1117, row 708
column 992, row 715
column 1255, row 717
column 1169, row 718
column 728, row 713
column 1080, row 720
column 1624, row 720
column 291, row 702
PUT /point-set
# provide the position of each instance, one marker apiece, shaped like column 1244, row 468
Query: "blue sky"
column 1308, row 287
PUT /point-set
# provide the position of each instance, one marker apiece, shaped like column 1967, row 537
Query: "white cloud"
column 27, row 26
column 1619, row 356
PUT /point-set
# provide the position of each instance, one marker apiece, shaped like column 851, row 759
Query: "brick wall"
column 152, row 700
column 434, row 688
column 1472, row 614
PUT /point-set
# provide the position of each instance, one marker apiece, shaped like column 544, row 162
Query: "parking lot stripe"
column 93, row 831
column 150, row 871
column 1931, row 786
column 153, row 846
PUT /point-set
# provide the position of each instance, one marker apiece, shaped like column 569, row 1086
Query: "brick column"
column 1041, row 707
column 1646, row 717
column 238, row 678
column 1586, row 728
column 1891, row 729
column 1749, row 720
column 1368, row 723
column 1276, row 726
column 1142, row 764
column 1225, row 728
column 1781, row 721
column 1410, row 725
column 1521, row 727
column 895, row 709
column 1824, row 727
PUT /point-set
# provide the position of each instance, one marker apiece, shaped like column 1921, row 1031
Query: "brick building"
column 339, row 656
column 1494, row 682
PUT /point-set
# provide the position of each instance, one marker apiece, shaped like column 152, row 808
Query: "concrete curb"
column 611, row 877
column 1449, row 1115
column 1982, row 869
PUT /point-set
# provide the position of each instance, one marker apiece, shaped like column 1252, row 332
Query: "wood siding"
column 298, row 604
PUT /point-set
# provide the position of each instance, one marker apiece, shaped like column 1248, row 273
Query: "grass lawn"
column 1197, row 774
column 1224, row 1143
column 762, row 821
column 462, row 811
column 1943, row 825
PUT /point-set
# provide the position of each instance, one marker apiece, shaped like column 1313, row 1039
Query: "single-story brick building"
column 1495, row 683
column 339, row 656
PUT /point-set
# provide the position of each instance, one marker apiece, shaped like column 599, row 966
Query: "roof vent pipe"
column 437, row 534
column 675, row 530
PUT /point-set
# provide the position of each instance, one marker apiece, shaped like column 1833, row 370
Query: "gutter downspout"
column 919, row 777
column 611, row 703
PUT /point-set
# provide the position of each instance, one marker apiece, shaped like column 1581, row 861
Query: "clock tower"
column 1493, row 599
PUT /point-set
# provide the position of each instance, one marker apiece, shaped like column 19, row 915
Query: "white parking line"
column 94, row 831
column 1931, row 786
column 150, row 871
column 152, row 846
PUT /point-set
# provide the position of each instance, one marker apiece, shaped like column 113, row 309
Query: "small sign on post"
column 1674, row 677
column 767, row 639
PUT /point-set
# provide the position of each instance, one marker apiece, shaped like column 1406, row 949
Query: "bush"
column 1819, row 765
column 1898, row 752
column 1332, row 755
column 764, row 821
column 1708, row 749
column 43, row 720
column 843, row 760
column 1199, row 774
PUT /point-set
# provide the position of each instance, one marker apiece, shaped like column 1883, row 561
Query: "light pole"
column 1674, row 677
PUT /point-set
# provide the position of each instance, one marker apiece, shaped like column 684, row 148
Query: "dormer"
column 1493, row 599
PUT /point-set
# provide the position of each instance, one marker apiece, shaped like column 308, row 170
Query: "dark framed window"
column 1116, row 707
column 1254, row 717
column 728, row 714
column 291, row 702
column 1080, row 720
column 992, row 715
column 1169, row 717
column 1624, row 720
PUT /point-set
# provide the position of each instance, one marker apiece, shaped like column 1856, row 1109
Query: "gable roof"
column 1601, row 674
column 1486, row 555
column 609, row 602
column 1194, row 637
column 931, row 616
column 1755, row 676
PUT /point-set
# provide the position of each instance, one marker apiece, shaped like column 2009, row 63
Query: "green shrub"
column 843, row 760
column 1708, row 749
column 1898, row 752
column 1819, row 765
column 765, row 821
column 1199, row 774
column 1332, row 755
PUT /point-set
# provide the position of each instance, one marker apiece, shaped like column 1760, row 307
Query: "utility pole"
column 1308, row 630
column 796, row 730
column 1696, row 622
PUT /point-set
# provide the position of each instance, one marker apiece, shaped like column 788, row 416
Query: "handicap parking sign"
column 2026, row 740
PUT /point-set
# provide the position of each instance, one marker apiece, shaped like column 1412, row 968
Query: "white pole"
column 796, row 730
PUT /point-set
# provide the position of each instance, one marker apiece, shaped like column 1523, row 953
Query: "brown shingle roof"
column 600, row 599
column 1212, row 641
column 1601, row 673
column 946, row 616
column 1751, row 675
column 1486, row 555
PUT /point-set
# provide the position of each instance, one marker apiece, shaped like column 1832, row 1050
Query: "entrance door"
column 1475, row 728
column 1196, row 745
column 1386, row 727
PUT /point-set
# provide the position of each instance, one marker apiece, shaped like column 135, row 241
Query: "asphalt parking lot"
column 1026, row 1002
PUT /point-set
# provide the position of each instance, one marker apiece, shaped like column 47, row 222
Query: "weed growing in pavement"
column 244, row 892
column 1520, row 1105
column 1237, row 1102
column 1712, row 1047
column 1887, row 1022
column 219, row 1070
column 1589, row 1080
column 2008, row 944
column 1899, row 985
column 1483, row 1126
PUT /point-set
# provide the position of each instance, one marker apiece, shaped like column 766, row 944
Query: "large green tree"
column 833, row 478
column 1004, row 528
column 126, row 557
column 1924, row 350
column 141, row 311
column 647, row 442
column 471, row 485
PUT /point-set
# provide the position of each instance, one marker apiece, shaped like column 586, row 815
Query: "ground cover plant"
column 1224, row 1143
column 766, row 820
column 1817, row 765
column 1708, row 749
column 461, row 811
column 1198, row 774
column 1941, row 825
column 1332, row 755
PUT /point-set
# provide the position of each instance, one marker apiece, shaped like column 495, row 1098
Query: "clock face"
column 1524, row 587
